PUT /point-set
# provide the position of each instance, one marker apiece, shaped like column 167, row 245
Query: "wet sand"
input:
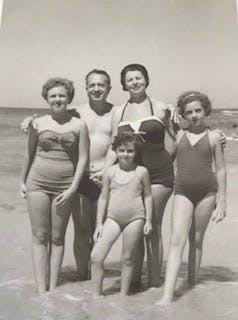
column 215, row 297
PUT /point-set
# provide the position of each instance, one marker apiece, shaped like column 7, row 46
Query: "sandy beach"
column 215, row 296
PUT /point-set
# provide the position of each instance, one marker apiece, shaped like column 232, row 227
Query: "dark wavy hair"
column 134, row 67
column 59, row 82
column 128, row 137
column 190, row 96
column 102, row 72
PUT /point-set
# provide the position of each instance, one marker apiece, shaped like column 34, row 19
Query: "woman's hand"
column 98, row 233
column 23, row 190
column 219, row 213
column 147, row 228
column 64, row 197
column 24, row 125
column 173, row 114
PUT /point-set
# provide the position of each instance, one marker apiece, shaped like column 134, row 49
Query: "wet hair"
column 102, row 72
column 134, row 67
column 59, row 82
column 190, row 96
column 125, row 137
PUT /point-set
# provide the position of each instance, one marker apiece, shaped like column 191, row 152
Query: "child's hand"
column 219, row 213
column 98, row 233
column 147, row 228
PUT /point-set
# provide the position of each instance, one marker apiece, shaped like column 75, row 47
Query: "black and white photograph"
column 119, row 159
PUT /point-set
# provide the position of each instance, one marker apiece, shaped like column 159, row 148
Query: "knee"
column 40, row 236
column 57, row 239
column 177, row 241
column 198, row 240
column 96, row 259
column 127, row 259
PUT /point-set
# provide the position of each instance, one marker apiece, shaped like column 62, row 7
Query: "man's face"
column 97, row 87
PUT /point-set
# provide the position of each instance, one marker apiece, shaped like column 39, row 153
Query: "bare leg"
column 59, row 221
column 202, row 216
column 161, row 195
column 39, row 210
column 138, row 264
column 131, row 237
column 84, row 213
column 111, row 231
column 181, row 223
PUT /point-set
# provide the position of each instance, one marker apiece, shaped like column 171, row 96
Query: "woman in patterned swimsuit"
column 149, row 119
column 55, row 162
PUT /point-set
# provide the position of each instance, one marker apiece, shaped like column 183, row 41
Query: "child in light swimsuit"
column 126, row 201
column 197, row 189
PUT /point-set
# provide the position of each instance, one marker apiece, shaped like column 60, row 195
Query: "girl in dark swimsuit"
column 197, row 188
column 149, row 119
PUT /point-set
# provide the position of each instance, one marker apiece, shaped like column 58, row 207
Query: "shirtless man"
column 97, row 114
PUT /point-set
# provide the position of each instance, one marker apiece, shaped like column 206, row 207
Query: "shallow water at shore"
column 215, row 297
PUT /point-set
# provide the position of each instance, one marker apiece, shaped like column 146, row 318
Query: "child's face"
column 194, row 113
column 126, row 153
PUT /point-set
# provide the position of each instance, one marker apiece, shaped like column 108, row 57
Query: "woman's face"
column 57, row 98
column 135, row 82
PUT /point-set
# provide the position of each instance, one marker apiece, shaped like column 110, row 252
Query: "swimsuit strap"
column 124, row 108
column 151, row 107
column 123, row 111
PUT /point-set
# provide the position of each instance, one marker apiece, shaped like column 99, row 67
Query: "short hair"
column 190, row 96
column 102, row 72
column 125, row 137
column 134, row 67
column 59, row 82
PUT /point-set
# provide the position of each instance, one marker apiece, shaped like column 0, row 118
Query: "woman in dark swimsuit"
column 149, row 119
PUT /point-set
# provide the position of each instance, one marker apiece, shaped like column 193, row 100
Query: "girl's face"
column 135, row 82
column 126, row 153
column 194, row 113
column 57, row 98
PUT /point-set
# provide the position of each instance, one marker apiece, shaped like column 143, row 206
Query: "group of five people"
column 70, row 167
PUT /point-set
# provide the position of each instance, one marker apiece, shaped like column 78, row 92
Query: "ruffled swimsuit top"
column 53, row 144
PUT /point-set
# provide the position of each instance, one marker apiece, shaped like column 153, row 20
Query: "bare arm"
column 102, row 205
column 29, row 157
column 83, row 151
column 170, row 134
column 220, row 211
column 111, row 155
column 148, row 200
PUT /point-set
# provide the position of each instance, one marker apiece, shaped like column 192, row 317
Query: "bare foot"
column 164, row 302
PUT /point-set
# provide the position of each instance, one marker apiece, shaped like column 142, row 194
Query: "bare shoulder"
column 109, row 172
column 143, row 171
column 117, row 110
column 159, row 104
column 214, row 136
column 179, row 134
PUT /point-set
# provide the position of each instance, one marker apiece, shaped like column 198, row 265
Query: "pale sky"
column 185, row 44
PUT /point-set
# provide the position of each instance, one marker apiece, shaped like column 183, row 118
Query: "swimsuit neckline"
column 151, row 117
column 57, row 133
column 120, row 183
column 195, row 144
